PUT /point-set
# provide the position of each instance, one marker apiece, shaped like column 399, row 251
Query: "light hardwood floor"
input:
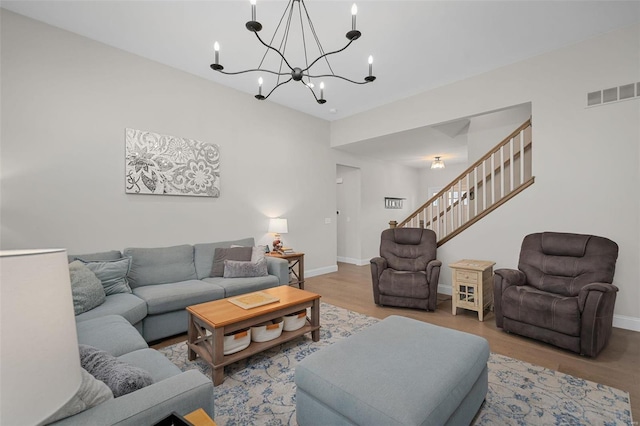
column 618, row 365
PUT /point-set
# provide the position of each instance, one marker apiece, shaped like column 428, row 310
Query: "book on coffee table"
column 253, row 300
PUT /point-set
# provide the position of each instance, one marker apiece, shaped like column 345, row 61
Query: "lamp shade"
column 278, row 226
column 39, row 359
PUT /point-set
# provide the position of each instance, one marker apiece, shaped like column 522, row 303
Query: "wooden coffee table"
column 209, row 322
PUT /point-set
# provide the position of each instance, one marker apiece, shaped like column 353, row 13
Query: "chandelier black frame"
column 295, row 73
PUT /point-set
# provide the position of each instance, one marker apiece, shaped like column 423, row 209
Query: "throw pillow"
column 122, row 378
column 240, row 269
column 222, row 254
column 86, row 288
column 112, row 274
column 257, row 252
column 92, row 392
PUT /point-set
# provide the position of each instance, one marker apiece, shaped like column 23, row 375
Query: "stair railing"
column 499, row 175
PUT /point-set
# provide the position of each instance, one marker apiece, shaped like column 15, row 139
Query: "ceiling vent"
column 613, row 94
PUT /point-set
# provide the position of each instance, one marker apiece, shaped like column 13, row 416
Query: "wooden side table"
column 472, row 286
column 296, row 267
column 200, row 418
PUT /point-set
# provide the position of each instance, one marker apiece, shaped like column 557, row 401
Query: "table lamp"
column 278, row 226
column 39, row 359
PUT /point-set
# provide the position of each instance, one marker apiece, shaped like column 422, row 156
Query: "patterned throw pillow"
column 244, row 269
column 122, row 378
column 86, row 288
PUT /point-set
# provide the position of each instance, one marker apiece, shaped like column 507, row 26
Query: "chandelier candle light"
column 295, row 73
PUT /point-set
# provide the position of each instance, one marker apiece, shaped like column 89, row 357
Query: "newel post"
column 393, row 224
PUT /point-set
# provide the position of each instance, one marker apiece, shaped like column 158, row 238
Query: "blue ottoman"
column 397, row 372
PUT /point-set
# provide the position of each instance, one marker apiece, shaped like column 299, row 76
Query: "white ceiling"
column 417, row 45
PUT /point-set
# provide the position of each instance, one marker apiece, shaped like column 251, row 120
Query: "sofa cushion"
column 100, row 256
column 158, row 365
column 131, row 307
column 160, row 265
column 233, row 253
column 122, row 378
column 86, row 288
column 203, row 254
column 112, row 274
column 163, row 298
column 111, row 333
column 92, row 392
column 236, row 286
column 552, row 311
column 242, row 269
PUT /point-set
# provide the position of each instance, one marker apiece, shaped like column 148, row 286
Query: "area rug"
column 261, row 391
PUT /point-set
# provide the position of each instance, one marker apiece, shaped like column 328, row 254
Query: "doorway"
column 348, row 201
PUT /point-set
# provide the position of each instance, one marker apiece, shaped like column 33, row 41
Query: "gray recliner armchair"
column 406, row 273
column 562, row 291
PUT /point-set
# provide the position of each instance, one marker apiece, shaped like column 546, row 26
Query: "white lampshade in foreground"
column 39, row 360
column 278, row 226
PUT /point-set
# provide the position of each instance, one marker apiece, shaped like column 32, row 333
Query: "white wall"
column 585, row 160
column 66, row 101
column 488, row 130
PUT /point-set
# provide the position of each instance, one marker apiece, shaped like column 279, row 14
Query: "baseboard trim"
column 444, row 289
column 628, row 323
column 308, row 273
column 353, row 261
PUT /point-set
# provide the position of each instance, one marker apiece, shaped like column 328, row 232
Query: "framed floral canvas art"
column 170, row 165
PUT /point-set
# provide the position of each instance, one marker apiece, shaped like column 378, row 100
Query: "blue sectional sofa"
column 164, row 281
column 160, row 283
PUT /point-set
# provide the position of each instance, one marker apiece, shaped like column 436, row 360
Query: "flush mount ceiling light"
column 437, row 163
column 295, row 10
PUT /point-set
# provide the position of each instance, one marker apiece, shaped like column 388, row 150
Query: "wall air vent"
column 613, row 94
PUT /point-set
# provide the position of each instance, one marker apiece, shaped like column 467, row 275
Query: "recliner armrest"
column 502, row 279
column 596, row 302
column 380, row 264
column 601, row 287
column 511, row 277
column 432, row 264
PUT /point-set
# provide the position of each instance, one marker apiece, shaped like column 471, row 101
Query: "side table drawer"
column 467, row 276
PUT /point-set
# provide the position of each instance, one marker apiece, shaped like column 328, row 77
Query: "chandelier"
column 288, row 72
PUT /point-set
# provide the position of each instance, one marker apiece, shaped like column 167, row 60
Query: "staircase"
column 500, row 175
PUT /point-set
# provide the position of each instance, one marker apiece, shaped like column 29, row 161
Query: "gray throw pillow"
column 86, row 288
column 112, row 274
column 240, row 269
column 122, row 378
column 257, row 253
column 92, row 392
column 222, row 254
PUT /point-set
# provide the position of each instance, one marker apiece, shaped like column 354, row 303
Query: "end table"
column 472, row 286
column 296, row 267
